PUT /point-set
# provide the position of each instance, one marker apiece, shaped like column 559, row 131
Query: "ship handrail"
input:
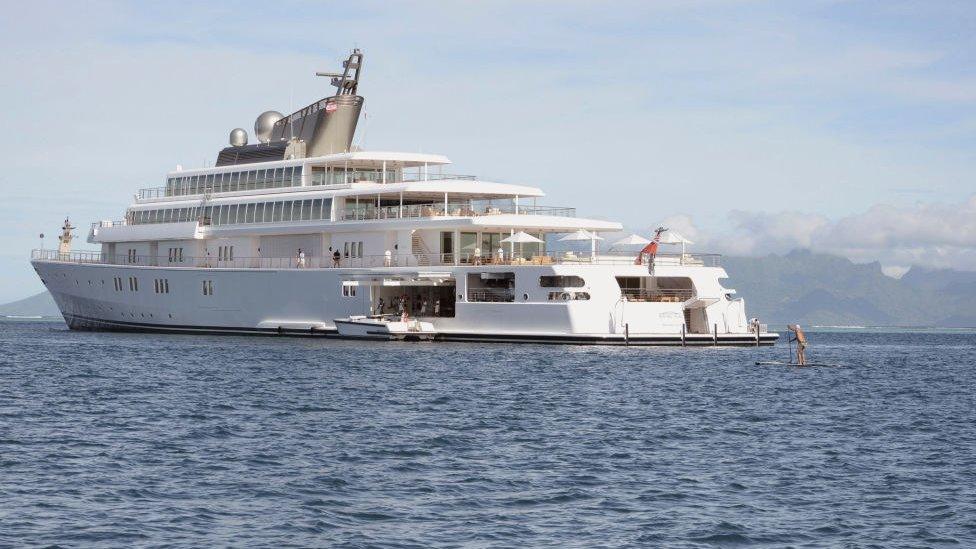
column 372, row 213
column 369, row 261
column 152, row 193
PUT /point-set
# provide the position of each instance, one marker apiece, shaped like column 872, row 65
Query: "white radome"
column 238, row 137
column 264, row 123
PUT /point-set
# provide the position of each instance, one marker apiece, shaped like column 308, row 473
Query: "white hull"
column 306, row 302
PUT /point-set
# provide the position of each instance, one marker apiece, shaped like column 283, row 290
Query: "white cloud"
column 926, row 234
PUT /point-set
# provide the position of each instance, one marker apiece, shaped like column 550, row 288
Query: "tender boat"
column 385, row 327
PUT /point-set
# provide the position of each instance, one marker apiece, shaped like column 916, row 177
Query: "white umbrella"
column 632, row 240
column 583, row 235
column 521, row 237
column 580, row 235
column 673, row 237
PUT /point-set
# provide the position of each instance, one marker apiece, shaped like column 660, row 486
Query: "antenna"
column 345, row 82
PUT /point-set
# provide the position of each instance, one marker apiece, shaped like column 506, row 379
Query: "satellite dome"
column 264, row 123
column 238, row 137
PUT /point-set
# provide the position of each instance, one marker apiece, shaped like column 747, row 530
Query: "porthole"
column 525, row 297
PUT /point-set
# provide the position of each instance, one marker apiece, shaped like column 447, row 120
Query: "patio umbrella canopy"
column 521, row 237
column 632, row 240
column 672, row 237
column 580, row 235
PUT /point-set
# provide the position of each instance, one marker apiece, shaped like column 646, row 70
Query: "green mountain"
column 41, row 304
column 817, row 289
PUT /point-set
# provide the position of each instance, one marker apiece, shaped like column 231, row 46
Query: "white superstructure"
column 287, row 236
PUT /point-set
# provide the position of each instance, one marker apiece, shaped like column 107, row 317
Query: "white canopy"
column 672, row 237
column 632, row 240
column 521, row 237
column 580, row 235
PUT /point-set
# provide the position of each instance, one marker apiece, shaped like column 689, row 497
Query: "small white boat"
column 387, row 327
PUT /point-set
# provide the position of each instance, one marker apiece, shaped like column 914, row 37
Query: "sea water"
column 110, row 439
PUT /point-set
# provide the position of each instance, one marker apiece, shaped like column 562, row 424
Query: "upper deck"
column 335, row 171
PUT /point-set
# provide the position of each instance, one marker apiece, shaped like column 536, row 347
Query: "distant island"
column 41, row 304
column 811, row 289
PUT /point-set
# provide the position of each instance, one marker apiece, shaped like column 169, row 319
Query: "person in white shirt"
column 301, row 259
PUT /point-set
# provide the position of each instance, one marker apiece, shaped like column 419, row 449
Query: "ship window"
column 259, row 212
column 249, row 215
column 317, row 209
column 166, row 285
column 232, row 214
column 348, row 291
column 561, row 281
column 208, row 287
column 306, row 210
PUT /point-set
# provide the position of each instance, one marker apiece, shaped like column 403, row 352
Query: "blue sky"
column 756, row 126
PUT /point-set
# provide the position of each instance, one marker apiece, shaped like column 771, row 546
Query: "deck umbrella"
column 520, row 237
column 632, row 240
column 673, row 237
column 582, row 235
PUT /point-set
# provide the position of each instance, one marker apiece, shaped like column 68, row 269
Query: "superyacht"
column 301, row 233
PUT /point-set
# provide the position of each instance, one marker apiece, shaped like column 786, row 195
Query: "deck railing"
column 435, row 209
column 658, row 295
column 368, row 261
column 371, row 213
column 316, row 181
column 491, row 295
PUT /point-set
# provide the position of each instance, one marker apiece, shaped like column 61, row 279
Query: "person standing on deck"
column 650, row 251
